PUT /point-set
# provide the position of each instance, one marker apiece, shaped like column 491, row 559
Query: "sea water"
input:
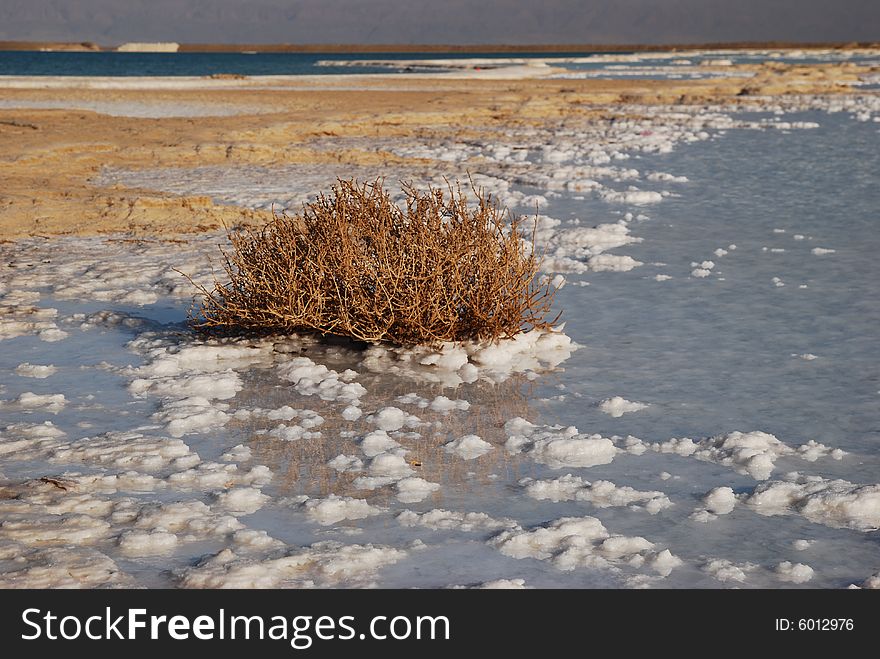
column 587, row 64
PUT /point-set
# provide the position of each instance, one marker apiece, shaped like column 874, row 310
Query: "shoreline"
column 58, row 134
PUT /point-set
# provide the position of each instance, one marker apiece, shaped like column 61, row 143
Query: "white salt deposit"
column 146, row 543
column 377, row 442
column 726, row 571
column 795, row 573
column 572, row 542
column 238, row 453
column 311, row 379
column 813, row 450
column 836, row 503
column 602, row 494
column 632, row 196
column 351, row 413
column 557, row 447
column 51, row 403
column 752, row 453
column 345, row 463
column 439, row 519
column 468, row 447
column 393, row 418
column 872, row 582
column 35, row 370
column 618, row 406
column 335, row 509
column 241, row 500
column 444, row 404
column 453, row 364
column 414, row 489
column 384, row 469
column 718, row 501
column 127, row 450
column 322, row 565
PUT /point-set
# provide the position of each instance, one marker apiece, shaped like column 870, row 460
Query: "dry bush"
column 355, row 264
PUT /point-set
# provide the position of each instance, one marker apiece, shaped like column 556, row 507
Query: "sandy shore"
column 57, row 134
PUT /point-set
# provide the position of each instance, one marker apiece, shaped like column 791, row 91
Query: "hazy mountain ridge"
column 432, row 21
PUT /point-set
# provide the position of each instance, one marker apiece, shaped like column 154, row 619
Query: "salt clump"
column 377, row 442
column 557, row 447
column 618, row 406
column 311, row 379
column 835, row 503
column 322, row 565
column 719, row 501
column 572, row 542
column 752, row 453
column 75, row 567
column 52, row 403
column 343, row 463
column 795, row 573
column 414, row 489
column 35, row 371
column 334, row 509
column 725, row 571
column 602, row 494
column 468, row 447
column 393, row 418
column 439, row 519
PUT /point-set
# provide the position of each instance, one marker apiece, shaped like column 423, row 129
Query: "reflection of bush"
column 356, row 264
column 300, row 467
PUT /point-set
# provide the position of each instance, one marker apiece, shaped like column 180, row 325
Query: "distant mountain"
column 440, row 21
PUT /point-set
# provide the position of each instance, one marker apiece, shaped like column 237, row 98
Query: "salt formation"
column 718, row 501
column 335, row 509
column 468, row 447
column 439, row 519
column 322, row 565
column 752, row 453
column 835, row 503
column 618, row 406
column 794, row 572
column 572, row 542
column 602, row 494
column 452, row 364
column 727, row 571
column 557, row 447
column 35, row 370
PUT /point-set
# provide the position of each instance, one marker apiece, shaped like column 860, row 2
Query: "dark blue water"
column 30, row 63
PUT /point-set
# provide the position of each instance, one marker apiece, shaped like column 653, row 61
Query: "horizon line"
column 91, row 46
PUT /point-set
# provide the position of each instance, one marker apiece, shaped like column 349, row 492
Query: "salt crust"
column 573, row 542
column 600, row 493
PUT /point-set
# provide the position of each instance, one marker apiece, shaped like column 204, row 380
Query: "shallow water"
column 708, row 349
column 605, row 65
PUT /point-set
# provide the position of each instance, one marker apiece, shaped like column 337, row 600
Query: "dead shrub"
column 355, row 264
